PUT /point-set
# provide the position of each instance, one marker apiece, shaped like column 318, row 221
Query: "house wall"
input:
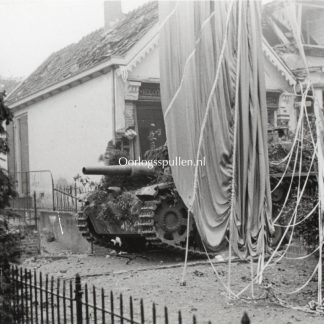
column 71, row 129
column 148, row 69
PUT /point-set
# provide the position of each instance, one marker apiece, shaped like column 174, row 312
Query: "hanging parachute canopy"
column 213, row 98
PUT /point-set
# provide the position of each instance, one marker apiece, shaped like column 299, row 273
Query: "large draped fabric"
column 213, row 99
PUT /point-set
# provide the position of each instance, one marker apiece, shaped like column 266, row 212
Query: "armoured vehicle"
column 141, row 213
column 153, row 215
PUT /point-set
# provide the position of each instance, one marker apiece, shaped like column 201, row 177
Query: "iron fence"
column 35, row 298
column 67, row 198
column 37, row 187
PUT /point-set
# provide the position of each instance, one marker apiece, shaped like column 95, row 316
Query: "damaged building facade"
column 280, row 35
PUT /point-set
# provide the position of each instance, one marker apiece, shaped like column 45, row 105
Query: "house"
column 91, row 92
column 84, row 95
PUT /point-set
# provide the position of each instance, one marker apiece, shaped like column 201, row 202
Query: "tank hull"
column 161, row 221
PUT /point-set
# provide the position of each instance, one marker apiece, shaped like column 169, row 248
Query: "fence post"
column 78, row 298
column 75, row 196
column 35, row 210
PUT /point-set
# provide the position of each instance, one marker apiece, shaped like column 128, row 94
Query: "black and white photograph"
column 161, row 162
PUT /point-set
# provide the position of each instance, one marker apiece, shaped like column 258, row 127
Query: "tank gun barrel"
column 126, row 170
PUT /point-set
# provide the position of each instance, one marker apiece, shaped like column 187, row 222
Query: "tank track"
column 83, row 226
column 147, row 229
column 129, row 244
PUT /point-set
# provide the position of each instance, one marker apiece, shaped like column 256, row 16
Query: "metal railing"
column 38, row 187
column 35, row 298
column 66, row 198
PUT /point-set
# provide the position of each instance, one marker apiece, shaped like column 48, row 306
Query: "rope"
column 208, row 106
column 294, row 142
column 235, row 140
column 230, row 292
column 184, row 271
column 298, row 190
column 320, row 197
column 293, row 146
column 252, row 285
column 291, row 180
column 290, row 154
column 167, row 18
column 305, row 309
column 297, row 35
column 289, row 189
column 309, row 126
column 220, row 60
column 263, row 267
column 303, row 219
column 301, row 152
column 258, row 269
column 298, row 200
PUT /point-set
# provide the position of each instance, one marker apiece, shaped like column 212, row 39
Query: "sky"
column 30, row 30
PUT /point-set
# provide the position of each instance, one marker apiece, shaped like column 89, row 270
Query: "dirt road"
column 156, row 277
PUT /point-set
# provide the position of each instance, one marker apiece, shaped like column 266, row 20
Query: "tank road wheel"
column 170, row 222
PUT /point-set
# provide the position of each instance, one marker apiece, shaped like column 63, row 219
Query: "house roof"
column 93, row 49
